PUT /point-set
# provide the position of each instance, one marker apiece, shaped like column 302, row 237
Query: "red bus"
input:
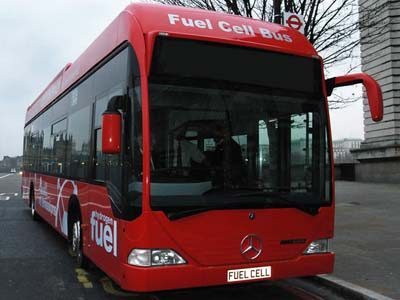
column 188, row 148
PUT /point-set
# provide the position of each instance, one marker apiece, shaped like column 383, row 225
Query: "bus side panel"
column 52, row 196
column 45, row 197
column 101, row 231
column 25, row 186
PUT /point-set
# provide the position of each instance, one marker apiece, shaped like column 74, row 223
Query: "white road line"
column 6, row 176
column 4, row 194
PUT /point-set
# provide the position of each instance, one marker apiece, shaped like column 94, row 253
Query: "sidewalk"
column 367, row 236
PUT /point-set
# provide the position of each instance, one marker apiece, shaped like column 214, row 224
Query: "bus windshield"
column 218, row 144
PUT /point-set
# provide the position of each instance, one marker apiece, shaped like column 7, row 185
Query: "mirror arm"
column 372, row 88
column 339, row 81
column 115, row 103
column 330, row 85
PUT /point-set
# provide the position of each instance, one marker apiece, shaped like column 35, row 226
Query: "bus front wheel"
column 34, row 214
column 77, row 244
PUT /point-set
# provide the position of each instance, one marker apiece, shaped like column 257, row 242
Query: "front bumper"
column 188, row 276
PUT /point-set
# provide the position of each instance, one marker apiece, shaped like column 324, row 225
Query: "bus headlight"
column 318, row 246
column 154, row 257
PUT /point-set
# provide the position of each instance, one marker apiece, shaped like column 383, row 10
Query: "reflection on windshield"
column 211, row 147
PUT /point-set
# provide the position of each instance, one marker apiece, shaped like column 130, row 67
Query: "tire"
column 34, row 214
column 77, row 244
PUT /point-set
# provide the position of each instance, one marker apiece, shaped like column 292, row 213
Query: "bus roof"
column 173, row 20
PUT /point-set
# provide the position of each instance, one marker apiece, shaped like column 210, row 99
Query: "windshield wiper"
column 311, row 209
column 231, row 190
column 175, row 215
column 189, row 212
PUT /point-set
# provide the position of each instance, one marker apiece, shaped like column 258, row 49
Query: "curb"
column 346, row 289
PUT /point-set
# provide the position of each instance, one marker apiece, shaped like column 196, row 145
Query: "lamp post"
column 277, row 11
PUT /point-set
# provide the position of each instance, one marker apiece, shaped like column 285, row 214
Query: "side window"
column 113, row 72
column 99, row 165
column 25, row 162
column 106, row 166
column 35, row 150
column 78, row 143
column 36, row 145
column 47, row 150
column 99, row 157
column 59, row 138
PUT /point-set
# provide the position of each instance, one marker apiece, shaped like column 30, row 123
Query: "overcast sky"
column 39, row 37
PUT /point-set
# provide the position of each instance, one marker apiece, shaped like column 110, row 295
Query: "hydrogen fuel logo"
column 104, row 232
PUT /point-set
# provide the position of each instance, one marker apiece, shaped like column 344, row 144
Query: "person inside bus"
column 228, row 162
column 188, row 157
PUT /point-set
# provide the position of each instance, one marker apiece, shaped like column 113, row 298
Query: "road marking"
column 80, row 271
column 4, row 197
column 4, row 176
column 82, row 278
column 88, row 285
column 109, row 288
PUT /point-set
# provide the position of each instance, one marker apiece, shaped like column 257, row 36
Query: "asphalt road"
column 35, row 264
column 367, row 235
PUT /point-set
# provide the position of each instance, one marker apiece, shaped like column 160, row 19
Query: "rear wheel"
column 34, row 214
column 77, row 244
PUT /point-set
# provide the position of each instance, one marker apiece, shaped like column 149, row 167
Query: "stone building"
column 379, row 155
column 342, row 148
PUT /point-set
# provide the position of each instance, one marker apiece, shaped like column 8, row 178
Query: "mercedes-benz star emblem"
column 251, row 246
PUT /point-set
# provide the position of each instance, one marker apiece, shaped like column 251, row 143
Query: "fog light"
column 318, row 246
column 140, row 257
column 154, row 257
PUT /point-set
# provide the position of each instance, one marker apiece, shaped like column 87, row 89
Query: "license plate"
column 248, row 274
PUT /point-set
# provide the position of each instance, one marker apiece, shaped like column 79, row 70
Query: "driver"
column 228, row 160
column 186, row 153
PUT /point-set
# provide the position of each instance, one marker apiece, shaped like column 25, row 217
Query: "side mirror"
column 111, row 126
column 111, row 132
column 372, row 88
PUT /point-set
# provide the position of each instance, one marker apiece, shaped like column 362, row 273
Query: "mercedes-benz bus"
column 189, row 148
